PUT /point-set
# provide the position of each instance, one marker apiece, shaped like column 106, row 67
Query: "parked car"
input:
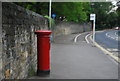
column 116, row 28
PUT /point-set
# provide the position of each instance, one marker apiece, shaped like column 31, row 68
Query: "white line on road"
column 109, row 36
column 116, row 34
column 86, row 38
column 75, row 40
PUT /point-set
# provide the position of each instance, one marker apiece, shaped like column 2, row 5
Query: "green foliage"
column 31, row 72
column 73, row 11
column 52, row 21
column 38, row 7
column 104, row 19
column 78, row 12
column 118, row 16
column 113, row 21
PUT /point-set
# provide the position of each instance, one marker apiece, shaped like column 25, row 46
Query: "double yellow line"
column 106, row 51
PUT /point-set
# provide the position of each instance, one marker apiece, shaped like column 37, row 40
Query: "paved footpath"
column 79, row 60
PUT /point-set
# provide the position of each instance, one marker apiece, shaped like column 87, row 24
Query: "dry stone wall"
column 1, row 41
column 19, row 57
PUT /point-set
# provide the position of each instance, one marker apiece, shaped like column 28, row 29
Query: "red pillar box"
column 43, row 52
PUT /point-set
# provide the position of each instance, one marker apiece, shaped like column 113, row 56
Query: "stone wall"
column 19, row 57
column 65, row 28
column 1, row 41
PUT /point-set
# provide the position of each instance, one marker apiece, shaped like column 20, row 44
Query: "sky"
column 114, row 3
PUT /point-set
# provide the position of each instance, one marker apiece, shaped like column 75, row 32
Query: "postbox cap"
column 43, row 32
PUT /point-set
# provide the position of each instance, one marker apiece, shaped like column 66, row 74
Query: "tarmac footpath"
column 79, row 60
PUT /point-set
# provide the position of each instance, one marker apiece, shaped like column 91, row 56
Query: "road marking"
column 106, row 51
column 107, row 34
column 116, row 33
column 115, row 38
column 86, row 38
column 75, row 40
column 113, row 49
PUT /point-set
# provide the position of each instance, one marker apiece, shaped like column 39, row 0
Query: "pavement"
column 79, row 60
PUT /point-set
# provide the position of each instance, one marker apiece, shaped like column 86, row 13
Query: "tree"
column 112, row 19
column 78, row 11
column 118, row 13
column 73, row 11
column 101, row 10
column 41, row 8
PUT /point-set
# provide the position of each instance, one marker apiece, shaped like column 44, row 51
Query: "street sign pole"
column 93, row 31
column 92, row 17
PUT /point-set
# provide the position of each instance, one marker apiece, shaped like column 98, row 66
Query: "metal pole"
column 50, row 14
column 93, row 31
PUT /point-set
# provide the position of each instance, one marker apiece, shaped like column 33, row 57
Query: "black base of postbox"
column 43, row 73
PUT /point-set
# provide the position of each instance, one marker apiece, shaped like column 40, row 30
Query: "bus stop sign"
column 92, row 16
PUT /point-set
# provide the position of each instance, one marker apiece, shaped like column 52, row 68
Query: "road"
column 108, row 39
column 79, row 60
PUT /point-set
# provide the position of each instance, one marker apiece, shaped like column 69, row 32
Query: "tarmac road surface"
column 108, row 38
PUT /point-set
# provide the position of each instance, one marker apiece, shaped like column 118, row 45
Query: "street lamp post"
column 50, row 14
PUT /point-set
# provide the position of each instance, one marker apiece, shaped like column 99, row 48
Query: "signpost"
column 53, row 16
column 92, row 17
